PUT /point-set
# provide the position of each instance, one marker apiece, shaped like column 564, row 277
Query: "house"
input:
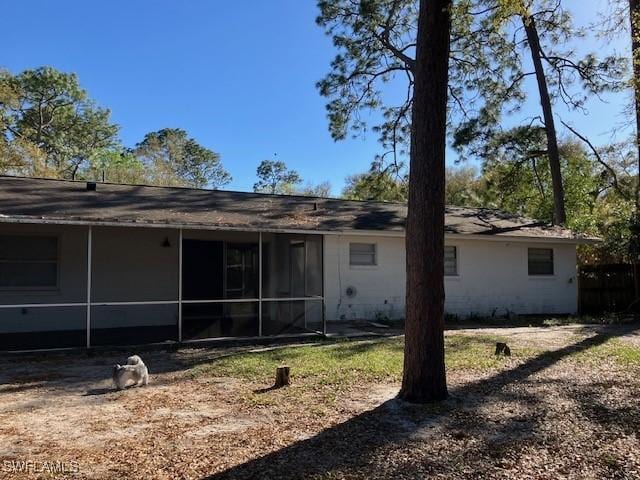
column 86, row 264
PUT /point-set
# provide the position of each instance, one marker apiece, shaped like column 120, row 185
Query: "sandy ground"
column 545, row 418
column 553, row 337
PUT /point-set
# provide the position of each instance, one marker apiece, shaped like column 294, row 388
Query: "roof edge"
column 4, row 219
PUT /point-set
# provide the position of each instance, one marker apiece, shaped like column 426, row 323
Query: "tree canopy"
column 376, row 42
column 172, row 158
column 50, row 127
column 376, row 184
column 274, row 177
column 491, row 46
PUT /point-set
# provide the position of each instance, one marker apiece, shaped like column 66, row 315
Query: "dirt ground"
column 546, row 417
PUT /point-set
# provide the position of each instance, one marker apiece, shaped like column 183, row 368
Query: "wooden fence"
column 606, row 288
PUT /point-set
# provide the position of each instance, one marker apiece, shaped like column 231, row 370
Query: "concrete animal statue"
column 134, row 373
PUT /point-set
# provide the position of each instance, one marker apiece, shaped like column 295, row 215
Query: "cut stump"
column 282, row 377
column 503, row 348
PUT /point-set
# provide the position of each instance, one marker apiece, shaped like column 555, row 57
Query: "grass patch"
column 581, row 320
column 532, row 320
column 368, row 361
column 620, row 352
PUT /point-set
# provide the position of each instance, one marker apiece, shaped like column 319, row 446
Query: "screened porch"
column 84, row 286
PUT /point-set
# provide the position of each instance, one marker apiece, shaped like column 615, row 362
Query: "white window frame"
column 553, row 263
column 457, row 256
column 35, row 288
column 364, row 265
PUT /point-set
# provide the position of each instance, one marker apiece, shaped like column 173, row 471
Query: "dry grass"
column 564, row 406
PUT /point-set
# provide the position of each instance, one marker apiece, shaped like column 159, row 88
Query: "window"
column 362, row 254
column 540, row 261
column 28, row 261
column 450, row 261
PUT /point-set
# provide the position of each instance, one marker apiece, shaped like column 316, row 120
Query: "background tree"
column 322, row 189
column 172, row 158
column 274, row 177
column 488, row 64
column 545, row 38
column 463, row 187
column 599, row 186
column 624, row 15
column 424, row 377
column 632, row 13
column 377, row 184
column 116, row 165
column 16, row 156
column 47, row 110
column 553, row 153
column 517, row 181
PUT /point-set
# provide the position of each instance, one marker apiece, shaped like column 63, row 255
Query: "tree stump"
column 282, row 377
column 503, row 348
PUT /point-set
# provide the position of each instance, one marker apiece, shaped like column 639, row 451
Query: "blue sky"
column 238, row 76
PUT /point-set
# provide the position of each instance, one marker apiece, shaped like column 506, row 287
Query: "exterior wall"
column 380, row 289
column 492, row 279
column 72, row 273
column 128, row 264
column 133, row 264
column 72, row 279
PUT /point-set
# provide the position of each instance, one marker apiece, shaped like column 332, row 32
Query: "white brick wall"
column 492, row 279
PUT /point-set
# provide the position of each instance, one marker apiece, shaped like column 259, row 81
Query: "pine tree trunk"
column 560, row 217
column 634, row 19
column 424, row 378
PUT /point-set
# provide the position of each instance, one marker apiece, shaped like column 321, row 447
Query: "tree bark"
column 634, row 19
column 559, row 214
column 424, row 378
column 282, row 377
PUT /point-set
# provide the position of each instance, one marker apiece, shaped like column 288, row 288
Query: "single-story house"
column 86, row 264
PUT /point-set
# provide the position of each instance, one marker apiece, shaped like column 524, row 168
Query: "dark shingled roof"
column 30, row 199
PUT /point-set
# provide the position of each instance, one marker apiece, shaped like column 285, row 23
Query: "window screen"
column 540, row 261
column 28, row 261
column 450, row 260
column 362, row 254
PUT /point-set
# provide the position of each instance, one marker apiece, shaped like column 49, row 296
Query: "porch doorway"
column 214, row 273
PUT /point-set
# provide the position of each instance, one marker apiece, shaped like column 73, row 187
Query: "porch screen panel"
column 220, row 285
column 26, row 328
column 292, row 317
column 241, row 270
column 133, row 324
column 314, row 271
column 291, row 266
column 214, row 320
column 292, row 284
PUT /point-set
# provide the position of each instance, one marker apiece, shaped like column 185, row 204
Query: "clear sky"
column 238, row 76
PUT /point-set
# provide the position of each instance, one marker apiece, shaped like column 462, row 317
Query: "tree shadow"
column 99, row 391
column 394, row 425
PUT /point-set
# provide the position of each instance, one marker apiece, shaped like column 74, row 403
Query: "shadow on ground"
column 380, row 441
